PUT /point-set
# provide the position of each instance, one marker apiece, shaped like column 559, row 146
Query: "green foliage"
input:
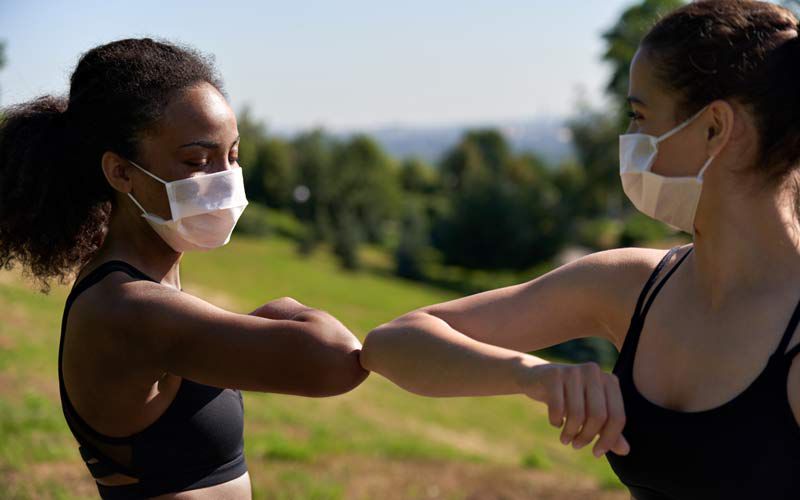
column 503, row 210
column 413, row 252
column 416, row 176
column 641, row 230
column 597, row 189
column 582, row 350
column 598, row 233
column 258, row 220
column 364, row 188
column 623, row 39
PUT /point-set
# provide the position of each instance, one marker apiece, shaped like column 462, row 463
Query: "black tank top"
column 197, row 442
column 746, row 448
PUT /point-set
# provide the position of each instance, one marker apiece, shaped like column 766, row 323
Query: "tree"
column 277, row 172
column 502, row 210
column 313, row 156
column 623, row 39
column 251, row 133
column 365, row 183
column 413, row 248
column 416, row 176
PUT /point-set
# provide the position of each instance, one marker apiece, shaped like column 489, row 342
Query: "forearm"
column 424, row 355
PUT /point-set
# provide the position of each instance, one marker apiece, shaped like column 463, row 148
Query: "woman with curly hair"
column 111, row 185
column 704, row 398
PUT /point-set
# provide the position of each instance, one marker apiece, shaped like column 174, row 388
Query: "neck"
column 746, row 241
column 132, row 240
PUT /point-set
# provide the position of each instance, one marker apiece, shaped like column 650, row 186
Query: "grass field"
column 374, row 442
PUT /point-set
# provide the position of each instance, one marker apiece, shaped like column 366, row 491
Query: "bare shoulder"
column 617, row 277
column 113, row 317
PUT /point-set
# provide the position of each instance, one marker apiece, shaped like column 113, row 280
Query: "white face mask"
column 204, row 209
column 672, row 200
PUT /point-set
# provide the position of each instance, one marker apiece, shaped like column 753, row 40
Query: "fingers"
column 622, row 447
column 555, row 407
column 575, row 405
column 611, row 437
column 596, row 415
column 593, row 405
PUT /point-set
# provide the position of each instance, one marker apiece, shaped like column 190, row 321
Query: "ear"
column 115, row 168
column 720, row 127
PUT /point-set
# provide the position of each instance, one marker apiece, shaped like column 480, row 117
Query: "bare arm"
column 444, row 349
column 282, row 347
column 472, row 346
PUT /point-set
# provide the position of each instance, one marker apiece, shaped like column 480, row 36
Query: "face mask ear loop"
column 144, row 212
column 703, row 170
column 148, row 173
column 681, row 126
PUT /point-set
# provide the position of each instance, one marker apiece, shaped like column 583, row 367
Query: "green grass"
column 296, row 447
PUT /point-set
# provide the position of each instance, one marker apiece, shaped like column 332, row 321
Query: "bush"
column 258, row 220
column 640, row 229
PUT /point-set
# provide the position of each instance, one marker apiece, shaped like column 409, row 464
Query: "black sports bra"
column 197, row 442
column 747, row 448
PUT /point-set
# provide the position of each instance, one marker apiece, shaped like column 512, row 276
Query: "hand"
column 285, row 308
column 588, row 398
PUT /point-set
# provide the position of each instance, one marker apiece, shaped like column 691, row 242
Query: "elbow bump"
column 342, row 374
column 374, row 344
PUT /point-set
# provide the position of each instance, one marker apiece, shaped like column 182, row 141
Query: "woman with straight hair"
column 111, row 185
column 704, row 399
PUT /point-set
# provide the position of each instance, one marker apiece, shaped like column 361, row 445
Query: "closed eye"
column 634, row 116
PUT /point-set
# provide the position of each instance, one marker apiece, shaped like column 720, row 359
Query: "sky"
column 342, row 64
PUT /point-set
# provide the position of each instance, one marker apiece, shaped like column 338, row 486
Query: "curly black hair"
column 55, row 202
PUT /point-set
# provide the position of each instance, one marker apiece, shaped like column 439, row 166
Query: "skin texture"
column 717, row 319
column 129, row 343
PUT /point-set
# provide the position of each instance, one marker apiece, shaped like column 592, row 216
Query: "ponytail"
column 49, row 221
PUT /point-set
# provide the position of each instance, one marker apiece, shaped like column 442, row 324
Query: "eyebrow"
column 207, row 144
column 633, row 99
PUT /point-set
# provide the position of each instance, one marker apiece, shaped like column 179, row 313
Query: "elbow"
column 342, row 372
column 337, row 361
column 375, row 345
column 382, row 343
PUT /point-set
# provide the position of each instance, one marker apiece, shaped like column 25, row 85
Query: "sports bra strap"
column 787, row 335
column 792, row 353
column 652, row 279
column 663, row 282
column 104, row 270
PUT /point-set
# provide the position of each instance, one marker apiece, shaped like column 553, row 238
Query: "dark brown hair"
column 741, row 50
column 55, row 202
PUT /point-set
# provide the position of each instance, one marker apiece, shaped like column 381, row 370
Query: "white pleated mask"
column 672, row 200
column 205, row 209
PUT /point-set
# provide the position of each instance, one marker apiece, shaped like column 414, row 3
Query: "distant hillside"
column 547, row 137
